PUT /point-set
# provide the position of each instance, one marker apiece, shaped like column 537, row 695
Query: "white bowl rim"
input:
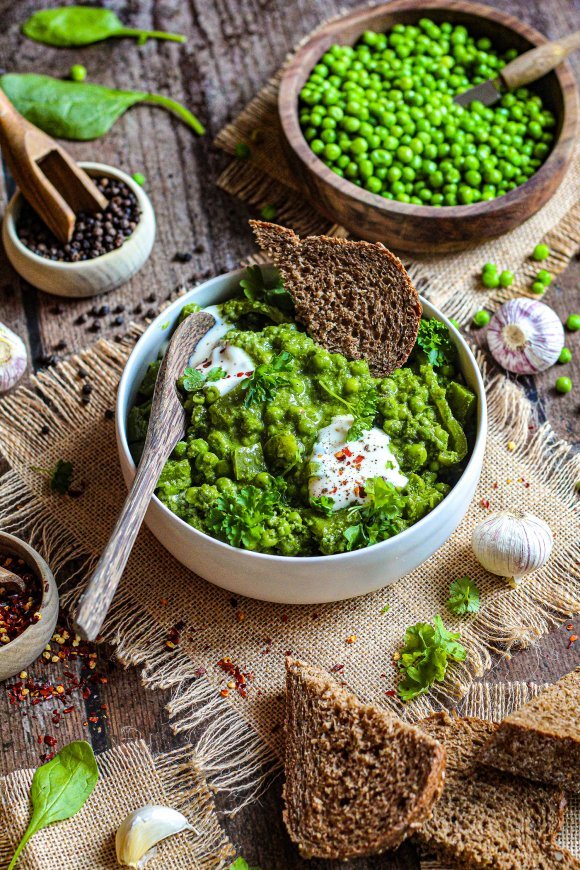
column 95, row 167
column 120, row 426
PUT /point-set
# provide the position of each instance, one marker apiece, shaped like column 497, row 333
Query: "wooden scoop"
column 48, row 177
column 166, row 427
column 11, row 581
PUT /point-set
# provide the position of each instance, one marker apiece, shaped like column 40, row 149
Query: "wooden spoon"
column 166, row 427
column 48, row 177
column 11, row 581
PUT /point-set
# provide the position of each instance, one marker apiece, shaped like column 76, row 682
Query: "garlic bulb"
column 143, row 829
column 525, row 336
column 13, row 358
column 512, row 544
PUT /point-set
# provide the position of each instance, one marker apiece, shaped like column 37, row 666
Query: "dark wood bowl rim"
column 288, row 96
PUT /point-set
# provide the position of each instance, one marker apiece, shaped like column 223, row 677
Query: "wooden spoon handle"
column 534, row 64
column 98, row 595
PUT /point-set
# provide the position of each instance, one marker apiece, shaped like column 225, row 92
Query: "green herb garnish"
column 463, row 596
column 59, row 789
column 241, row 864
column 267, row 378
column 379, row 518
column 240, row 518
column 193, row 380
column 426, row 655
column 385, row 609
column 433, row 338
column 323, row 503
column 60, row 476
column 76, row 110
column 364, row 409
column 82, row 25
column 255, row 290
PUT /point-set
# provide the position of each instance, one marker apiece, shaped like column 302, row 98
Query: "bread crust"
column 358, row 780
column 353, row 297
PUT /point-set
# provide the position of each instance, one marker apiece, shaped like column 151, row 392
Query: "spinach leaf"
column 76, row 110
column 83, row 25
column 59, row 789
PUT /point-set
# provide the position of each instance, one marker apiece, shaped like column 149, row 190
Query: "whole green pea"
column 506, row 278
column 77, row 72
column 538, row 288
column 565, row 355
column 481, row 318
column 563, row 384
column 573, row 322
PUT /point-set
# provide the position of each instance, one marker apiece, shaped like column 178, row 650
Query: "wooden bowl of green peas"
column 378, row 145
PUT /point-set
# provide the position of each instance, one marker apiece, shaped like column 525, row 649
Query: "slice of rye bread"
column 354, row 298
column 358, row 780
column 541, row 740
column 486, row 818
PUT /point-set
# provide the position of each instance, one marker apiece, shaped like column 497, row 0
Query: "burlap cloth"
column 452, row 282
column 130, row 777
column 241, row 736
column 494, row 701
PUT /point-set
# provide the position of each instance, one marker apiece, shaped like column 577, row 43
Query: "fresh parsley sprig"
column 463, row 596
column 193, row 380
column 364, row 409
column 379, row 518
column 434, row 340
column 324, row 504
column 426, row 655
column 59, row 477
column 255, row 290
column 240, row 518
column 267, row 378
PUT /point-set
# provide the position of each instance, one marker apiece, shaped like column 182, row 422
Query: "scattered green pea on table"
column 573, row 322
column 541, row 252
column 481, row 318
column 563, row 385
column 77, row 72
column 565, row 355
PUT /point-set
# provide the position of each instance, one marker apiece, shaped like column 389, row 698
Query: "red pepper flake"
column 484, row 503
column 347, row 451
column 49, row 740
column 340, row 455
column 93, row 719
column 284, row 617
column 572, row 639
column 391, row 693
column 335, row 669
column 199, row 672
column 570, row 626
column 239, row 678
column 494, row 485
column 68, row 710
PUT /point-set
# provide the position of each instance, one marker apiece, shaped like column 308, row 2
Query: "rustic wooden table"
column 232, row 49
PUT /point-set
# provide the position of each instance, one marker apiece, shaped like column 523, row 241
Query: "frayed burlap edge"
column 229, row 752
column 186, row 791
column 495, row 701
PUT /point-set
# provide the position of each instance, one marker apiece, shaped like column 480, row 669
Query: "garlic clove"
column 140, row 832
column 512, row 544
column 525, row 336
column 13, row 358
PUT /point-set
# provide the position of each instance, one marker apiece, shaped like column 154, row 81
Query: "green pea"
column 538, row 288
column 506, row 278
column 563, row 384
column 565, row 355
column 269, row 212
column 573, row 322
column 481, row 318
column 545, row 277
column 541, row 252
column 77, row 72
column 490, row 280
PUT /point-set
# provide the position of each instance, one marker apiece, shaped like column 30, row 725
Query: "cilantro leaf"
column 426, row 655
column 433, row 338
column 267, row 378
column 255, row 290
column 323, row 503
column 379, row 518
column 463, row 596
column 193, row 380
column 240, row 518
column 59, row 477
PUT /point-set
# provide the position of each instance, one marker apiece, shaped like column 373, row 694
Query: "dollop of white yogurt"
column 234, row 362
column 342, row 466
column 212, row 337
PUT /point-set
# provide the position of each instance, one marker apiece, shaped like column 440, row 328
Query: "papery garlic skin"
column 140, row 832
column 13, row 358
column 525, row 336
column 512, row 544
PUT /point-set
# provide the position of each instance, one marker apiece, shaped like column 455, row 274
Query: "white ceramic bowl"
column 86, row 277
column 285, row 579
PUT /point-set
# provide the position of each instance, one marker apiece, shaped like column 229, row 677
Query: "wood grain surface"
column 233, row 47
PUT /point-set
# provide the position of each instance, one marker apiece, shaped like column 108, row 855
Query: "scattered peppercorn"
column 87, row 389
column 481, row 318
column 541, row 252
column 563, row 385
column 183, row 257
column 94, row 234
column 573, row 322
column 45, row 429
column 151, row 298
column 150, row 313
column 109, row 414
column 565, row 355
column 95, row 326
column 82, row 318
column 118, row 320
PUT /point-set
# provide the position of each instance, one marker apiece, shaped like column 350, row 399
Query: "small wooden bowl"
column 418, row 228
column 26, row 648
column 87, row 277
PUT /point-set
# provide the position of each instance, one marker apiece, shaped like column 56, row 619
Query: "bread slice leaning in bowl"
column 354, row 298
column 541, row 740
column 489, row 819
column 358, row 779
